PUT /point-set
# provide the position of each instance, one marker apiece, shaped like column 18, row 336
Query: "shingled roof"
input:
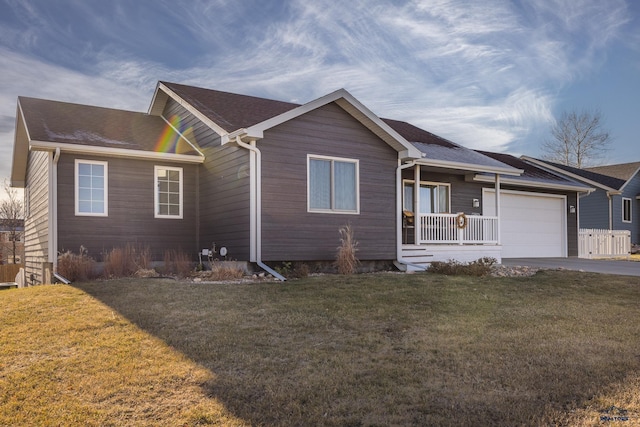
column 597, row 178
column 230, row 111
column 532, row 173
column 624, row 171
column 85, row 125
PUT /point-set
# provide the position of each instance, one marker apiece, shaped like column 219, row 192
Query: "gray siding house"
column 273, row 181
column 614, row 202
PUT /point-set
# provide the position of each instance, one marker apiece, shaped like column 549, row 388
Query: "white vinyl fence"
column 594, row 243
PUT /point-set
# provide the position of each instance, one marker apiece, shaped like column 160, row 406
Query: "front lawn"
column 558, row 348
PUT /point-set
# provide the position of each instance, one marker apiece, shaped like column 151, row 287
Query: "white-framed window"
column 91, row 188
column 626, row 210
column 168, row 192
column 333, row 185
column 435, row 197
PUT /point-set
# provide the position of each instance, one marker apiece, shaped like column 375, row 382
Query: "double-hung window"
column 333, row 184
column 168, row 194
column 626, row 210
column 91, row 188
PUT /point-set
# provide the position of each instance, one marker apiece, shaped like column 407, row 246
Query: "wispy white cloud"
column 484, row 74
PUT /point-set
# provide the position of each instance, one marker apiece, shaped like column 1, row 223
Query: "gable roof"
column 234, row 115
column 532, row 176
column 607, row 183
column 49, row 125
column 624, row 171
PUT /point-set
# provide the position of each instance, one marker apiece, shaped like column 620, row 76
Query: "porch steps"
column 414, row 258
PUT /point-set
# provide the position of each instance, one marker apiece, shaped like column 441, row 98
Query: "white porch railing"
column 593, row 243
column 443, row 228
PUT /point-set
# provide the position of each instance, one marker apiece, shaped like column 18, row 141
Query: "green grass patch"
column 557, row 348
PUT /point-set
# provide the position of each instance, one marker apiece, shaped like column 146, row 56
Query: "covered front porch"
column 444, row 217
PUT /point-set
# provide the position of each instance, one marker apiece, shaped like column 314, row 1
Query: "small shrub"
column 76, row 266
column 479, row 267
column 346, row 259
column 177, row 262
column 220, row 272
column 292, row 270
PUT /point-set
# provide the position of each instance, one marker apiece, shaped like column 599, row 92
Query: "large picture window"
column 91, row 188
column 333, row 185
column 626, row 210
column 168, row 195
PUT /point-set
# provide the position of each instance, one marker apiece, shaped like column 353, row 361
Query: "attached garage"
column 532, row 225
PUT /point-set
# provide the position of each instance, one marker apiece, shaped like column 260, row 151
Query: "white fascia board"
column 245, row 135
column 190, row 108
column 354, row 107
column 560, row 171
column 20, row 151
column 535, row 184
column 469, row 167
column 114, row 152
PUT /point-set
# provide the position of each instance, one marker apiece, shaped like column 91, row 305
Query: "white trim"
column 630, row 210
column 470, row 167
column 114, row 152
column 105, row 189
column 357, row 184
column 535, row 184
column 190, row 108
column 156, row 201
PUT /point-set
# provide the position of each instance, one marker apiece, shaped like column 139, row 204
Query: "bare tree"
column 578, row 139
column 11, row 221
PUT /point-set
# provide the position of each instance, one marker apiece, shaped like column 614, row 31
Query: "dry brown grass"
column 178, row 263
column 557, row 348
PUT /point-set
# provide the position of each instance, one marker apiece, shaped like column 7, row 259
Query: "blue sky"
column 489, row 75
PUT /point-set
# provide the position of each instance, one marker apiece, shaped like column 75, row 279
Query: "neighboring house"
column 615, row 202
column 11, row 241
column 272, row 181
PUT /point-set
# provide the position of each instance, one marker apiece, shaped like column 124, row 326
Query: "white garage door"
column 532, row 225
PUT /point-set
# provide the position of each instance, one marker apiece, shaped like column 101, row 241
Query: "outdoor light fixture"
column 572, row 209
column 476, row 203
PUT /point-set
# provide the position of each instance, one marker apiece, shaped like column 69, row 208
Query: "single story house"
column 273, row 181
column 615, row 202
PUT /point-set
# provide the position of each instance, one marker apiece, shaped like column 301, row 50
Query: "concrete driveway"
column 624, row 268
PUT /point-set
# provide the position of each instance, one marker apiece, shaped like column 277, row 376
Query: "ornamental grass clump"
column 75, row 267
column 125, row 262
column 346, row 259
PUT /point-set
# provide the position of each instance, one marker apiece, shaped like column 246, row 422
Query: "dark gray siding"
column 290, row 233
column 631, row 191
column 224, row 188
column 37, row 235
column 131, row 210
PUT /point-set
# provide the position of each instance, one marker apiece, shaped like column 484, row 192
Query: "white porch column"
column 417, row 221
column 497, row 188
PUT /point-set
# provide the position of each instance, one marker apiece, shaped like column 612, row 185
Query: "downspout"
column 399, row 259
column 256, row 211
column 53, row 211
column 610, row 210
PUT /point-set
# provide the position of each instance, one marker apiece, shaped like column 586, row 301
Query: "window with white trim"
column 435, row 197
column 626, row 210
column 91, row 188
column 168, row 193
column 333, row 184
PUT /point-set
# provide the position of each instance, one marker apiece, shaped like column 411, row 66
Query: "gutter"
column 53, row 210
column 256, row 208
